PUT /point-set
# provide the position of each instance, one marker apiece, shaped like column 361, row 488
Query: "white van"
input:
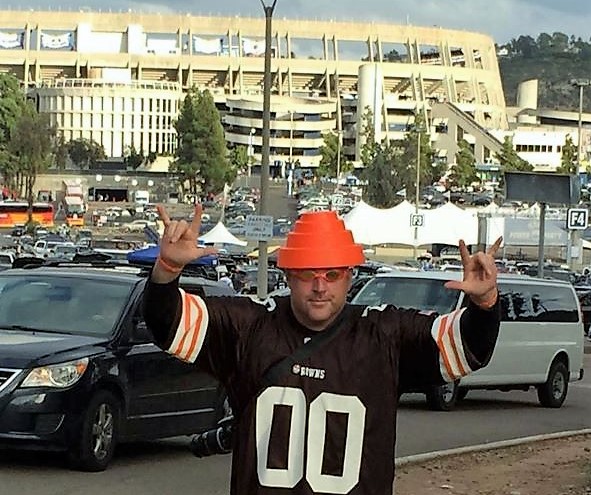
column 541, row 337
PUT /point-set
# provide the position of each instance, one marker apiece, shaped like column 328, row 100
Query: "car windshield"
column 61, row 304
column 424, row 294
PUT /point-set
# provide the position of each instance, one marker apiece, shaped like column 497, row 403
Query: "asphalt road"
column 489, row 416
column 165, row 467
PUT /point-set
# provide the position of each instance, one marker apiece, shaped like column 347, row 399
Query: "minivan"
column 79, row 372
column 541, row 336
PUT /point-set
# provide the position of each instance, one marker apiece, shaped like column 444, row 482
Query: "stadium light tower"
column 263, row 206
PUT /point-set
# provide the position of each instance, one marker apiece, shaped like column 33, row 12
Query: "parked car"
column 6, row 259
column 18, row 231
column 138, row 225
column 584, row 295
column 245, row 279
column 79, row 372
column 44, row 247
column 540, row 341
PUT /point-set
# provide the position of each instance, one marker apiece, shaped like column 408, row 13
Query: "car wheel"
column 553, row 392
column 443, row 397
column 94, row 446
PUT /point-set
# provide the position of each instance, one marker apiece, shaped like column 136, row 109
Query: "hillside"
column 552, row 59
column 553, row 73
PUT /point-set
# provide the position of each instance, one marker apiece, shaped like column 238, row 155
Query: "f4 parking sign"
column 577, row 218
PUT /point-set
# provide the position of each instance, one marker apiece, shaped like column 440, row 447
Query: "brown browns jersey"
column 329, row 424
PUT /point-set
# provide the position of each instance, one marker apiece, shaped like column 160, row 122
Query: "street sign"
column 577, row 218
column 417, row 220
column 258, row 227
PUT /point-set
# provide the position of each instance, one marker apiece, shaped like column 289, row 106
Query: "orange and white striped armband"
column 446, row 333
column 190, row 334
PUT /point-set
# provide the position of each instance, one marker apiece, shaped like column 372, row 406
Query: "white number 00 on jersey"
column 316, row 418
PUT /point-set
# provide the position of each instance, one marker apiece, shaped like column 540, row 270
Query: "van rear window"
column 424, row 294
column 538, row 303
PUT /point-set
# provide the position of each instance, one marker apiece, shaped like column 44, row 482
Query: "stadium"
column 118, row 79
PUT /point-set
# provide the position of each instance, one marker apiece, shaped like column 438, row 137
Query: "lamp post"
column 250, row 149
column 574, row 235
column 417, row 193
column 263, row 207
column 290, row 137
column 580, row 83
column 339, row 146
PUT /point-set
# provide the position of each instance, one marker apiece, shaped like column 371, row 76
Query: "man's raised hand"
column 178, row 245
column 480, row 273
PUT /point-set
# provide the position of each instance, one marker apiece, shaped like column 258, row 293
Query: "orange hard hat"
column 320, row 240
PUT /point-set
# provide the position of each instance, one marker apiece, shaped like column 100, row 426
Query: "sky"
column 501, row 19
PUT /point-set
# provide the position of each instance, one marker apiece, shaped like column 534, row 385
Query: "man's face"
column 318, row 295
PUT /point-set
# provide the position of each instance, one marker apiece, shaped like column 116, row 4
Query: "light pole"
column 263, row 207
column 580, row 83
column 417, row 194
column 339, row 145
column 250, row 150
column 290, row 137
column 574, row 235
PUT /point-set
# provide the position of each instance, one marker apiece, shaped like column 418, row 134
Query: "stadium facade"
column 118, row 78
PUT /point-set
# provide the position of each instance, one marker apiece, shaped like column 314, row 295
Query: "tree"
column 377, row 159
column 369, row 146
column 393, row 56
column 382, row 182
column 525, row 45
column 133, row 158
column 568, row 159
column 560, row 42
column 12, row 104
column 239, row 160
column 544, row 43
column 61, row 152
column 330, row 162
column 201, row 157
column 463, row 171
column 391, row 167
column 429, row 170
column 510, row 160
column 33, row 144
column 85, row 152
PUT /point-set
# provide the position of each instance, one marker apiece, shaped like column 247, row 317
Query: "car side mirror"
column 140, row 333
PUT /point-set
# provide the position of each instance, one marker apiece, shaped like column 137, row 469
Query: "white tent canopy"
column 444, row 225
column 372, row 226
column 447, row 225
column 221, row 235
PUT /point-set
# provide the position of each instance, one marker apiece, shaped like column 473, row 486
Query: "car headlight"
column 56, row 375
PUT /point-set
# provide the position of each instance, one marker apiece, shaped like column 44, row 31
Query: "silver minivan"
column 541, row 337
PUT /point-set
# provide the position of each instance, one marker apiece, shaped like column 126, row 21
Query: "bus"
column 15, row 213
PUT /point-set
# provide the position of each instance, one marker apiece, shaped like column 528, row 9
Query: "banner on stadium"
column 253, row 47
column 65, row 40
column 12, row 40
column 208, row 47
